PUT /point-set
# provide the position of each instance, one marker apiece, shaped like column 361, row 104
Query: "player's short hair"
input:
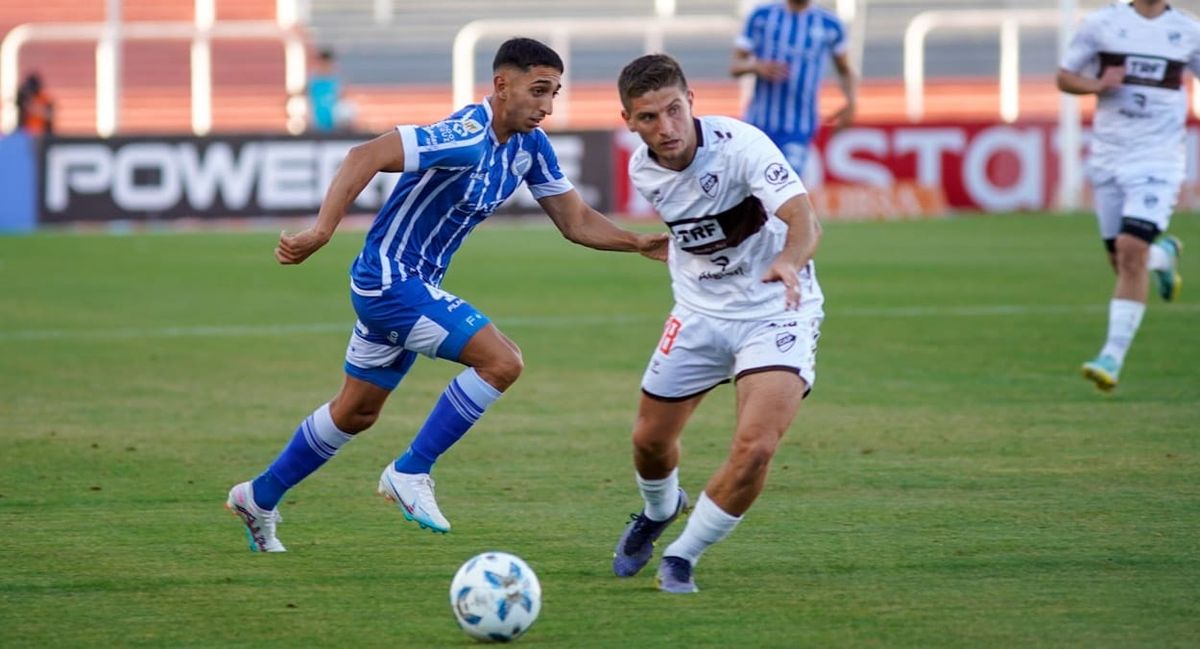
column 525, row 53
column 648, row 73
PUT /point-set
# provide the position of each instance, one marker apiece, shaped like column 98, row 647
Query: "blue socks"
column 316, row 440
column 460, row 406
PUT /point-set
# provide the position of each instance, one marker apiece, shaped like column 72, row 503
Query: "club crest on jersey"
column 1150, row 200
column 785, row 341
column 709, row 183
column 521, row 163
column 776, row 173
column 1174, row 37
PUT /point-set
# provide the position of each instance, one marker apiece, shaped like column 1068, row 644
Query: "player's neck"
column 798, row 5
column 1150, row 8
column 499, row 115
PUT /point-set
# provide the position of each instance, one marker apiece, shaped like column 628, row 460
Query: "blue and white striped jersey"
column 456, row 174
column 804, row 40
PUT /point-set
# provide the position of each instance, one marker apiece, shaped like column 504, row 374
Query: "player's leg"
column 1163, row 263
column 656, row 434
column 318, row 438
column 775, row 367
column 767, row 404
column 1145, row 210
column 452, row 329
column 493, row 364
column 687, row 363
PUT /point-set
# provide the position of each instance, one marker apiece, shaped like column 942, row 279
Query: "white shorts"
column 698, row 352
column 1145, row 194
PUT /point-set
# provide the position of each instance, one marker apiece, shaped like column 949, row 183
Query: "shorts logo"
column 393, row 337
column 708, row 184
column 785, row 341
column 776, row 174
column 670, row 333
column 521, row 163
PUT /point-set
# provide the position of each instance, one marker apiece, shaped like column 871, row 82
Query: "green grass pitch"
column 952, row 481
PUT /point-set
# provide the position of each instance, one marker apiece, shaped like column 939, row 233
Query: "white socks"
column 330, row 437
column 1124, row 318
column 661, row 496
column 706, row 525
column 1159, row 259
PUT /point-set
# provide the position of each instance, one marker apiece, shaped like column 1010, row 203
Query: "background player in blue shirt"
column 785, row 44
column 456, row 173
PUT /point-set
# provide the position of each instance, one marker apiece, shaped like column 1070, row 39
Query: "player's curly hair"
column 525, row 53
column 648, row 73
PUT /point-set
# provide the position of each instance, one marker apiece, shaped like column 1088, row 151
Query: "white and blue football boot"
column 413, row 494
column 260, row 523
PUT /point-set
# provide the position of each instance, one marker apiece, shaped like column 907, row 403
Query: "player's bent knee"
column 752, row 457
column 354, row 420
column 649, row 445
column 1131, row 253
column 503, row 370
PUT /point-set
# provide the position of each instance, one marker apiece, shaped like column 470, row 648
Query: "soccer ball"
column 495, row 597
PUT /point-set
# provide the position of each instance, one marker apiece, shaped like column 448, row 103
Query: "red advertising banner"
column 911, row 170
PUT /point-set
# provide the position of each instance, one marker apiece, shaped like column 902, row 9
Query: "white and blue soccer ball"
column 495, row 596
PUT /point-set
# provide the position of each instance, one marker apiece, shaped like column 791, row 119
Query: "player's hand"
column 843, row 118
column 783, row 270
column 654, row 246
column 295, row 248
column 1111, row 79
column 771, row 70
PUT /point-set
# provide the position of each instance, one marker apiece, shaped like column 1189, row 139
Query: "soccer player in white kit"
column 1132, row 57
column 747, row 308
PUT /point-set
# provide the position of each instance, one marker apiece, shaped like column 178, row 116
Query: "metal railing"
column 109, row 37
column 559, row 34
column 1009, row 23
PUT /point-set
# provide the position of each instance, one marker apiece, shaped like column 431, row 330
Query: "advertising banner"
column 163, row 178
column 909, row 170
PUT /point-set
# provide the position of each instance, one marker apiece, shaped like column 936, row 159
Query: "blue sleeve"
column 544, row 177
column 453, row 143
column 751, row 36
column 837, row 43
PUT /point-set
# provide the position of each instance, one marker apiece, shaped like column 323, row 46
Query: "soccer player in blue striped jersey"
column 456, row 173
column 785, row 45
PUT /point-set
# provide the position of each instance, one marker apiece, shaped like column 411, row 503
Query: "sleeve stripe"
column 408, row 138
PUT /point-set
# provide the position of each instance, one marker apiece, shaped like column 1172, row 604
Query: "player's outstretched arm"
column 804, row 231
column 384, row 153
column 581, row 224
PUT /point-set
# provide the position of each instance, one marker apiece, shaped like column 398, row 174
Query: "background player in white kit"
column 747, row 307
column 1132, row 57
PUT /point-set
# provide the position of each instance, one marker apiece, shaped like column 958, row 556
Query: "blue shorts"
column 411, row 317
column 795, row 149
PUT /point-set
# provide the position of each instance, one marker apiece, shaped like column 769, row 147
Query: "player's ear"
column 690, row 97
column 500, row 85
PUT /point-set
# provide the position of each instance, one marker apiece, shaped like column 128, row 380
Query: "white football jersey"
column 1143, row 120
column 721, row 213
